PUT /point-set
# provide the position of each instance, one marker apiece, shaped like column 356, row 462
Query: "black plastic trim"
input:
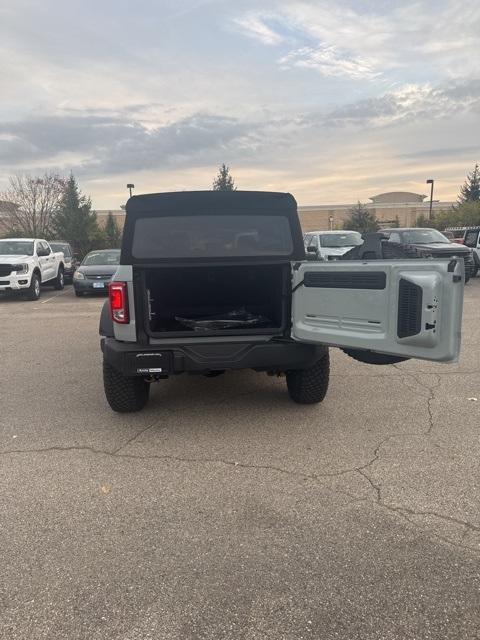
column 265, row 356
column 410, row 301
column 106, row 322
column 345, row 280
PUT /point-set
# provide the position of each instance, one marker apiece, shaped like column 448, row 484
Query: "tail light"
column 117, row 292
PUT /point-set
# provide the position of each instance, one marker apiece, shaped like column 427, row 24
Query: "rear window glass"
column 57, row 246
column 212, row 236
column 97, row 258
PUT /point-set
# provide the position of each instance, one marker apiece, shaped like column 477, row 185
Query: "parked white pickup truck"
column 26, row 263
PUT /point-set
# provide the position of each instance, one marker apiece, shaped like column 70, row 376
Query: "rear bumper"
column 133, row 360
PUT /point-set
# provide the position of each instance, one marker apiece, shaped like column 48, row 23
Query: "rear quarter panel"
column 126, row 332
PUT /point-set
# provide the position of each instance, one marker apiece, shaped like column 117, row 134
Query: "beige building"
column 118, row 216
column 386, row 206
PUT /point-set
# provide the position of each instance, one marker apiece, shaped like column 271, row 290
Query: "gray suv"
column 211, row 281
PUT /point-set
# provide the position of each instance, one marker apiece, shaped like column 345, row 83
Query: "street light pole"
column 430, row 181
column 130, row 186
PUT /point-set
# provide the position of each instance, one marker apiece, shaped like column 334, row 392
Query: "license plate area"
column 99, row 285
column 151, row 363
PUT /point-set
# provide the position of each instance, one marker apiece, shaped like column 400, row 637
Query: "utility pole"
column 430, row 181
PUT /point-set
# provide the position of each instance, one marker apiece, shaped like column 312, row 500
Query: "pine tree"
column 361, row 219
column 113, row 234
column 470, row 191
column 75, row 222
column 422, row 221
column 224, row 181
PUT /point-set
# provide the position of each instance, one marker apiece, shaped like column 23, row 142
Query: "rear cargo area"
column 217, row 300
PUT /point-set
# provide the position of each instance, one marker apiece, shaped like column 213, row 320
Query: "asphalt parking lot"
column 226, row 511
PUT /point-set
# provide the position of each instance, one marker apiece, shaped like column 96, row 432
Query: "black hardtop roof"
column 215, row 203
column 200, row 202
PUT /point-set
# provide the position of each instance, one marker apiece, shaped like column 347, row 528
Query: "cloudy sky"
column 332, row 100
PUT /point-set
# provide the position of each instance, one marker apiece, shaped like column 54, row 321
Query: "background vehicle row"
column 410, row 242
column 28, row 263
column 96, row 271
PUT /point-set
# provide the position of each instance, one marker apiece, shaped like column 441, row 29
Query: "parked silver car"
column 330, row 245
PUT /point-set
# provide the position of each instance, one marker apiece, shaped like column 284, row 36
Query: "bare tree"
column 30, row 203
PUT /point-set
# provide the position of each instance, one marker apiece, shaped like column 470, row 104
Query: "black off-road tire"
column 59, row 282
column 124, row 395
column 475, row 271
column 309, row 386
column 33, row 291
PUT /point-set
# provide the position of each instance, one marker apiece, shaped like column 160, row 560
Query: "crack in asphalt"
column 463, row 523
column 403, row 512
column 429, row 388
column 158, row 421
column 400, row 511
column 115, row 453
column 133, row 438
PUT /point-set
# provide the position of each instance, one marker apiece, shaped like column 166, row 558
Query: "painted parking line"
column 53, row 297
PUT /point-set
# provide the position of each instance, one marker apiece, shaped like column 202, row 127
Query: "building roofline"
column 378, row 205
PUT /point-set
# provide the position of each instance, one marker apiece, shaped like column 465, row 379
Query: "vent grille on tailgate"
column 409, row 309
column 345, row 280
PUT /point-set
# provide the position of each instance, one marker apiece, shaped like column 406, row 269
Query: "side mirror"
column 312, row 253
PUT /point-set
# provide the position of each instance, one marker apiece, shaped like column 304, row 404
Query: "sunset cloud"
column 293, row 96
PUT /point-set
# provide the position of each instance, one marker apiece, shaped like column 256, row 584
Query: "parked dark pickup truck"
column 430, row 242
column 210, row 281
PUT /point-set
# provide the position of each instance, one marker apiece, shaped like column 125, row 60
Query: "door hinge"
column 151, row 313
column 451, row 267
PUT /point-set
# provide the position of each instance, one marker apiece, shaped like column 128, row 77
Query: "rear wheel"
column 33, row 291
column 309, row 386
column 123, row 394
column 59, row 282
